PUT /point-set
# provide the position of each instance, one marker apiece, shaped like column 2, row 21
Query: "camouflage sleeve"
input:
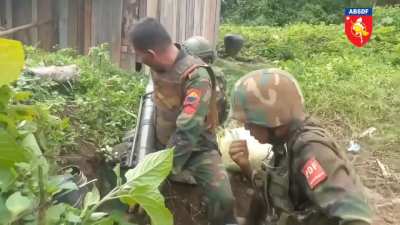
column 331, row 185
column 190, row 122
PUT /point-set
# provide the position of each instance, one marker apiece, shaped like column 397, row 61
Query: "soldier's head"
column 267, row 102
column 200, row 47
column 152, row 44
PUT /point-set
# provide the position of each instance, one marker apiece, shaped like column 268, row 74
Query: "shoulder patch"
column 314, row 172
column 192, row 101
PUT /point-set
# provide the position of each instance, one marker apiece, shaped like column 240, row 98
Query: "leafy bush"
column 342, row 84
column 29, row 184
column 101, row 105
column 283, row 12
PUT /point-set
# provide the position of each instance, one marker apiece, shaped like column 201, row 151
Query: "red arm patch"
column 314, row 173
column 192, row 101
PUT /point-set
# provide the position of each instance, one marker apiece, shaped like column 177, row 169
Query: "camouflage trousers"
column 209, row 172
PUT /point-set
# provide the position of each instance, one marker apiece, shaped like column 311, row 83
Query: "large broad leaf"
column 54, row 213
column 7, row 177
column 11, row 60
column 5, row 214
column 30, row 143
column 5, row 95
column 10, row 151
column 153, row 203
column 17, row 204
column 143, row 182
column 91, row 198
column 152, row 170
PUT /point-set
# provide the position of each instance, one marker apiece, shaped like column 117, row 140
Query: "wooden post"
column 63, row 23
column 9, row 20
column 34, row 30
column 87, row 26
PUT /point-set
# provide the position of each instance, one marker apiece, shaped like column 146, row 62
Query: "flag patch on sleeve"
column 192, row 101
column 314, row 173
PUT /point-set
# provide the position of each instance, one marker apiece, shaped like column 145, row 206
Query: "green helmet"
column 200, row 47
column 269, row 98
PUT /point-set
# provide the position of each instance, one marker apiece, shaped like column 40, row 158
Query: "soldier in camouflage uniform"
column 309, row 179
column 201, row 47
column 186, row 114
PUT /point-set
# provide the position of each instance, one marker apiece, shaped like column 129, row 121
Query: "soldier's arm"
column 190, row 122
column 330, row 186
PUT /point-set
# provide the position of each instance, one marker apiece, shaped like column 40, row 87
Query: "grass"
column 349, row 88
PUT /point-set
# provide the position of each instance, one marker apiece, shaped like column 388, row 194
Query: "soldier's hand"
column 239, row 153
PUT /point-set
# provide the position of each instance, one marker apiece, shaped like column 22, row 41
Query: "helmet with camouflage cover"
column 200, row 47
column 269, row 98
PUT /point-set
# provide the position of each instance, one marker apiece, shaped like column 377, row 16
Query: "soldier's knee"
column 224, row 198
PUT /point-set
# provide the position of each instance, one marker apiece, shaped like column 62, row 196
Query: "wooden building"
column 81, row 24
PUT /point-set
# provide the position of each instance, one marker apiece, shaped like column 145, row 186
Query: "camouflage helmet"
column 269, row 98
column 200, row 47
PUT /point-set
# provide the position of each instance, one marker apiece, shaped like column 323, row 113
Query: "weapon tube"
column 144, row 139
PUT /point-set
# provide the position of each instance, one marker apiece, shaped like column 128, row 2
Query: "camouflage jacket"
column 183, row 98
column 311, row 180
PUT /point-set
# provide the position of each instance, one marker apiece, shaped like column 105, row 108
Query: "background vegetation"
column 349, row 88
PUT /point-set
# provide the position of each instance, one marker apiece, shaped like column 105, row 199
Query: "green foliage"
column 100, row 106
column 342, row 84
column 283, row 12
column 11, row 59
column 27, row 129
column 141, row 187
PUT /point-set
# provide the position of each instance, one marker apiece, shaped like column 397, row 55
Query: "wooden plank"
column 168, row 16
column 8, row 13
column 217, row 22
column 142, row 7
column 34, row 30
column 152, row 8
column 73, row 31
column 198, row 17
column 46, row 32
column 87, row 26
column 209, row 20
column 132, row 10
column 22, row 15
column 190, row 18
column 63, row 9
column 107, row 20
column 182, row 19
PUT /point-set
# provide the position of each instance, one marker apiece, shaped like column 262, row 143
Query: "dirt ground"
column 379, row 172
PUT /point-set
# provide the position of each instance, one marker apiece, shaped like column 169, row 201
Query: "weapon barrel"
column 144, row 140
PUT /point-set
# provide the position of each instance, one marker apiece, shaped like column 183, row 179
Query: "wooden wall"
column 182, row 19
column 81, row 24
column 14, row 13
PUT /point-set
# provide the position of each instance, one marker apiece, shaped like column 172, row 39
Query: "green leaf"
column 22, row 95
column 10, row 151
column 119, row 218
column 105, row 221
column 97, row 215
column 72, row 218
column 117, row 172
column 61, row 182
column 30, row 143
column 91, row 198
column 143, row 182
column 53, row 214
column 5, row 95
column 152, row 170
column 17, row 204
column 5, row 215
column 153, row 203
column 8, row 176
column 11, row 60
